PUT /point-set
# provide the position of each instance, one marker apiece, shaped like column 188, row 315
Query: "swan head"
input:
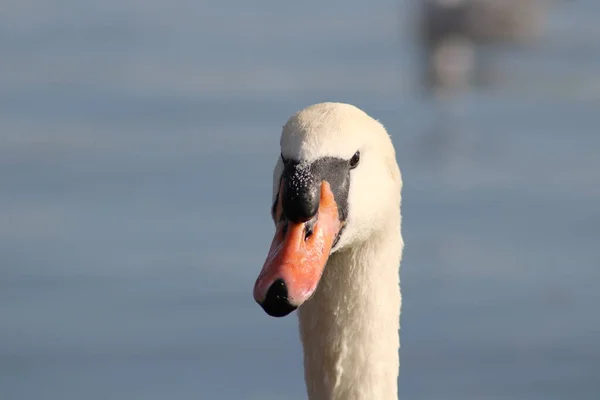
column 336, row 184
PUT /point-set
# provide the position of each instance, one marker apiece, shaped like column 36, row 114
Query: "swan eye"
column 355, row 159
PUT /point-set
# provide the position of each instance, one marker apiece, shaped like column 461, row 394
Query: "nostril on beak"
column 309, row 227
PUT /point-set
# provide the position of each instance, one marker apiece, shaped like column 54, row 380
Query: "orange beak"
column 297, row 257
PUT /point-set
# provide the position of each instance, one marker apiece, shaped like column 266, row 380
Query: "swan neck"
column 350, row 328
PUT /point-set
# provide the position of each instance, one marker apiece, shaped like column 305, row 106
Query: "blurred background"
column 137, row 140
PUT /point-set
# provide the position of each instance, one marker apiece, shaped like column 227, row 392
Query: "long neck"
column 350, row 327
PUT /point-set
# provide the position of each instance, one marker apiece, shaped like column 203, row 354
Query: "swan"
column 336, row 252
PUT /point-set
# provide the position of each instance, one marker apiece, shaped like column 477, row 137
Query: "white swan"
column 336, row 206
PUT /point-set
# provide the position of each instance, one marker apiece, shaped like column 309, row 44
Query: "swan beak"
column 297, row 257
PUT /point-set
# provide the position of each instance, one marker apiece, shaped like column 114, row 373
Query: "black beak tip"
column 276, row 303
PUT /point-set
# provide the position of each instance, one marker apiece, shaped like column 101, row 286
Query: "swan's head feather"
column 339, row 130
column 336, row 184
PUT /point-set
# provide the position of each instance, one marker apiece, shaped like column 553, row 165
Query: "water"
column 136, row 152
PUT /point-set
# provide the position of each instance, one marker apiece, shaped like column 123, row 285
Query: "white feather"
column 350, row 327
